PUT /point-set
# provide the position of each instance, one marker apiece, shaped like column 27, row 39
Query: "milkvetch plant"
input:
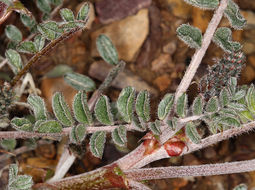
column 226, row 108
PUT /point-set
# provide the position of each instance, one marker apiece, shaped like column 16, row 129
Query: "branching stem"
column 199, row 54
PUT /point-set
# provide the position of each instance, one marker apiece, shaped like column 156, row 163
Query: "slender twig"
column 65, row 132
column 191, row 147
column 126, row 165
column 43, row 52
column 198, row 170
column 199, row 54
column 67, row 158
column 53, row 13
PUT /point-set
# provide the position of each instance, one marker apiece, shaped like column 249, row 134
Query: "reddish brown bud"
column 174, row 148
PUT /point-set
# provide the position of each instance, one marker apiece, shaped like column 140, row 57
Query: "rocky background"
column 144, row 33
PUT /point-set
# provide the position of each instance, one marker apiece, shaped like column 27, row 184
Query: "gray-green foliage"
column 78, row 134
column 241, row 187
column 13, row 33
column 107, row 50
column 49, row 30
column 18, row 182
column 81, row 110
column 97, row 142
column 125, row 103
column 191, row 132
column 14, row 60
column 192, row 36
column 142, row 106
column 21, row 124
column 80, row 82
column 103, row 111
column 181, row 106
column 165, row 106
column 119, row 136
column 8, row 144
column 223, row 38
column 61, row 110
column 38, row 106
column 234, row 16
column 204, row 4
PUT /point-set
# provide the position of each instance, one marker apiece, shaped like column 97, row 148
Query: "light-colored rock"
column 51, row 85
column 250, row 17
column 251, row 60
column 179, row 8
column 169, row 48
column 248, row 48
column 100, row 69
column 127, row 35
column 248, row 74
column 162, row 63
column 201, row 18
column 163, row 82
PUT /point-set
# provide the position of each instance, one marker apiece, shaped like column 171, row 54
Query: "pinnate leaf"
column 8, row 144
column 61, row 110
column 81, row 109
column 50, row 30
column 83, row 12
column 39, row 42
column 212, row 105
column 125, row 103
column 78, row 134
column 21, row 124
column 67, row 15
column 197, row 106
column 21, row 182
column 239, row 95
column 103, row 111
column 28, row 20
column 107, row 50
column 192, row 36
column 142, row 106
column 234, row 16
column 14, row 60
column 223, row 38
column 224, row 97
column 38, row 106
column 13, row 33
column 230, row 121
column 49, row 126
column 191, row 132
column 155, row 127
column 43, row 5
column 97, row 142
column 204, row 4
column 119, row 136
column 181, row 107
column 80, row 82
column 165, row 106
column 27, row 47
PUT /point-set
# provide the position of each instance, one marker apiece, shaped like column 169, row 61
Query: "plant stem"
column 191, row 171
column 191, row 147
column 199, row 54
column 44, row 51
column 65, row 132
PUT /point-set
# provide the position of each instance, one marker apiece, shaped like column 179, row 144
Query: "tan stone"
column 179, row 8
column 162, row 63
column 251, row 60
column 163, row 82
column 127, row 35
column 248, row 74
column 201, row 18
column 51, row 85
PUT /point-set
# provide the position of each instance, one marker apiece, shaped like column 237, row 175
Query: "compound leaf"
column 97, row 142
